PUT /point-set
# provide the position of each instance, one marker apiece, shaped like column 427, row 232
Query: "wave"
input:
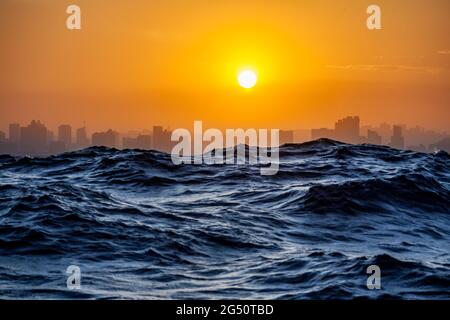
column 141, row 227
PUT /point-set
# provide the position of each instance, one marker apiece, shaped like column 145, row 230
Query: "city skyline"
column 36, row 138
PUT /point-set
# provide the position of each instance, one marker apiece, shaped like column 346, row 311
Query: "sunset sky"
column 139, row 63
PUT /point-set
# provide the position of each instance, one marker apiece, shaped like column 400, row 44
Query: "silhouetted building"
column 441, row 145
column 11, row 145
column 397, row 140
column 14, row 133
column 50, row 136
column 6, row 147
column 420, row 136
column 347, row 130
column 373, row 137
column 286, row 137
column 33, row 139
column 65, row 135
column 57, row 147
column 322, row 133
column 105, row 139
column 302, row 135
column 82, row 140
column 144, row 142
column 162, row 139
column 129, row 143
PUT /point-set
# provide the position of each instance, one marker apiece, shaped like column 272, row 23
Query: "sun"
column 247, row 79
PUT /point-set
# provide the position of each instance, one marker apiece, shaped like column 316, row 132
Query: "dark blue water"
column 140, row 227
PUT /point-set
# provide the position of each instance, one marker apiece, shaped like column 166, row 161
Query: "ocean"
column 140, row 227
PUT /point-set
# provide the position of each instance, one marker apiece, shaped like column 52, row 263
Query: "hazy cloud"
column 387, row 68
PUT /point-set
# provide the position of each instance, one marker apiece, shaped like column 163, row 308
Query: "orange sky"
column 137, row 63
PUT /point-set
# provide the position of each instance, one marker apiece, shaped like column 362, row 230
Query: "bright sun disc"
column 247, row 79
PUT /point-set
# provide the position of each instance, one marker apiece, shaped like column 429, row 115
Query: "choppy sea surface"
column 140, row 227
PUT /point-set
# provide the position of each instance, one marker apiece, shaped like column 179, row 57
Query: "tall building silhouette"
column 162, row 139
column 347, row 130
column 322, row 133
column 444, row 144
column 397, row 140
column 143, row 142
column 65, row 135
column 6, row 147
column 373, row 137
column 33, row 139
column 36, row 140
column 129, row 143
column 286, row 136
column 50, row 136
column 105, row 139
column 57, row 147
column 82, row 140
column 14, row 133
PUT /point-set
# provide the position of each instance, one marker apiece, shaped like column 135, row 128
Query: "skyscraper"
column 6, row 147
column 161, row 139
column 65, row 135
column 14, row 133
column 105, row 139
column 397, row 140
column 33, row 139
column 82, row 140
column 50, row 136
column 322, row 133
column 347, row 130
column 129, row 143
column 144, row 142
column 373, row 137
